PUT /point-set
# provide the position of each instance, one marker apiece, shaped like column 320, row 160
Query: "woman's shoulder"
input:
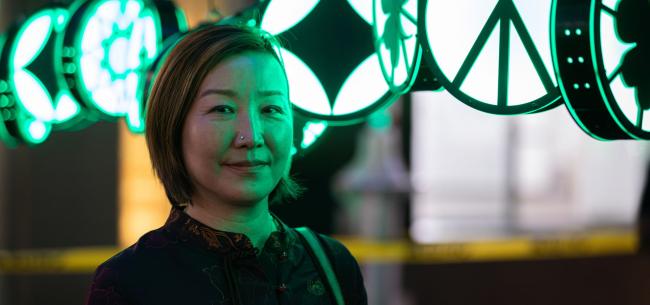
column 143, row 257
column 347, row 270
column 150, row 245
column 337, row 250
column 114, row 280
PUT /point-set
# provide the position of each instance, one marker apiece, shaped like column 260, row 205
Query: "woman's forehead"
column 249, row 70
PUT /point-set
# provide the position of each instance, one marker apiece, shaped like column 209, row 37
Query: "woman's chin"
column 249, row 199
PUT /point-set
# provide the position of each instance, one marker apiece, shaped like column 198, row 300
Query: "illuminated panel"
column 396, row 44
column 33, row 95
column 331, row 78
column 492, row 55
column 112, row 43
column 281, row 15
column 311, row 132
column 601, row 56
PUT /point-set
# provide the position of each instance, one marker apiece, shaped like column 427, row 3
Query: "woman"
column 219, row 131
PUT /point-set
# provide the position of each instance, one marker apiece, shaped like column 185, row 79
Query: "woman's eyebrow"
column 232, row 93
column 267, row 93
column 226, row 92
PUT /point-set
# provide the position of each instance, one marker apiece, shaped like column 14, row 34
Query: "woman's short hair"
column 175, row 88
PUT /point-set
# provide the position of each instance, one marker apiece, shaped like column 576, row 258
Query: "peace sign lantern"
column 500, row 62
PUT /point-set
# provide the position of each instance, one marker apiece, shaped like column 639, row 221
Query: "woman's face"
column 238, row 132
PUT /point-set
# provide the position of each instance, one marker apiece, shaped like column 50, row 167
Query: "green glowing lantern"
column 333, row 72
column 33, row 95
column 492, row 55
column 602, row 58
column 396, row 42
column 109, row 44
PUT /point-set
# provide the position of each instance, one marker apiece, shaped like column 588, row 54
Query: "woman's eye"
column 222, row 109
column 273, row 109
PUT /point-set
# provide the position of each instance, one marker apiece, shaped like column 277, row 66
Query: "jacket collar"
column 230, row 244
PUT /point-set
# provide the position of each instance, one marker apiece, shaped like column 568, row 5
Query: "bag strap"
column 312, row 241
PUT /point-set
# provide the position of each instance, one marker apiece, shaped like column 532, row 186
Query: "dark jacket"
column 186, row 262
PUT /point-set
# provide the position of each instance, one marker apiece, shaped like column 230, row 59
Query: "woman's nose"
column 249, row 133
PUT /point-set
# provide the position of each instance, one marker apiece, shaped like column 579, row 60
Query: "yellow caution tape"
column 71, row 260
column 563, row 246
column 85, row 260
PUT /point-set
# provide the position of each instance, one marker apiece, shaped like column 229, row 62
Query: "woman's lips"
column 246, row 166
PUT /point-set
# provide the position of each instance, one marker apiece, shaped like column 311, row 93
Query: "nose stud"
column 241, row 138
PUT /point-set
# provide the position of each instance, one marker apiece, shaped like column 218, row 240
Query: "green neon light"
column 625, row 96
column 37, row 29
column 29, row 42
column 118, row 40
column 364, row 87
column 594, row 86
column 306, row 92
column 66, row 108
column 36, row 109
column 5, row 114
column 31, row 130
column 395, row 31
column 281, row 15
column 32, row 95
column 183, row 26
column 363, row 8
column 560, row 80
column 609, row 48
column 311, row 132
column 493, row 44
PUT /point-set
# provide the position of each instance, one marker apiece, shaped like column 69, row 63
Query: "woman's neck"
column 253, row 221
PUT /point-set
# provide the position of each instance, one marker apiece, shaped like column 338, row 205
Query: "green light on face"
column 281, row 15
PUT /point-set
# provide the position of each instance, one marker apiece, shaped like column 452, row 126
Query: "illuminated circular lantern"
column 492, row 55
column 33, row 94
column 334, row 74
column 602, row 57
column 396, row 43
column 109, row 44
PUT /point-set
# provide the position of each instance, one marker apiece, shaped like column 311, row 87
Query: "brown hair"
column 175, row 88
